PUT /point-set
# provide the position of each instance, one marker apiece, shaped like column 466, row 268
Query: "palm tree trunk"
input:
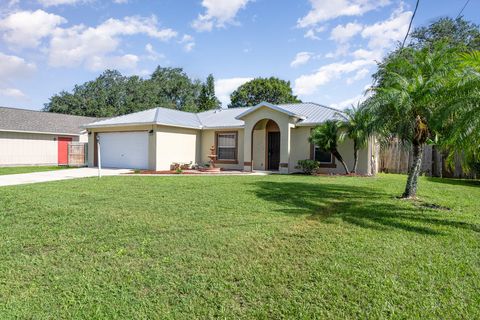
column 339, row 157
column 355, row 157
column 414, row 172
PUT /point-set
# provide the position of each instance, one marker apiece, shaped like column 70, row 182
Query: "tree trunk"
column 414, row 172
column 339, row 157
column 355, row 157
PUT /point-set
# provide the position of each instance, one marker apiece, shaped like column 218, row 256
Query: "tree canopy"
column 271, row 89
column 207, row 99
column 112, row 94
column 454, row 32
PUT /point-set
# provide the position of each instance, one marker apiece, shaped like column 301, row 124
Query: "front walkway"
column 36, row 177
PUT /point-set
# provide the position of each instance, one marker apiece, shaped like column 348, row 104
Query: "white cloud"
column 385, row 34
column 12, row 93
column 26, row 28
column 218, row 14
column 188, row 42
column 93, row 45
column 50, row 3
column 349, row 102
column 359, row 75
column 341, row 51
column 120, row 1
column 308, row 84
column 301, row 58
column 152, row 53
column 324, row 10
column 343, row 33
column 125, row 62
column 224, row 87
column 312, row 33
column 367, row 54
column 14, row 67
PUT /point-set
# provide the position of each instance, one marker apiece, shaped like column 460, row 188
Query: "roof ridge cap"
column 324, row 106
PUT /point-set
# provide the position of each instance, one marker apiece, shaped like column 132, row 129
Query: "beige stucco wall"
column 176, row 145
column 259, row 145
column 208, row 140
column 300, row 150
column 19, row 148
column 83, row 137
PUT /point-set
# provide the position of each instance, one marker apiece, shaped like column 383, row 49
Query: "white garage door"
column 124, row 150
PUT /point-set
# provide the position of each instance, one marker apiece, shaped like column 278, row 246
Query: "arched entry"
column 266, row 145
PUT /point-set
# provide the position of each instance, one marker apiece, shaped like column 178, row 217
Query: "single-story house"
column 30, row 137
column 263, row 137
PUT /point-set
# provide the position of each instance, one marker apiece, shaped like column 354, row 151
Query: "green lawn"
column 28, row 169
column 239, row 247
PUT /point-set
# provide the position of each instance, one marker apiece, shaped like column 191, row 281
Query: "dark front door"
column 273, row 155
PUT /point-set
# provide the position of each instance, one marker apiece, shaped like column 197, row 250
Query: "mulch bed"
column 167, row 172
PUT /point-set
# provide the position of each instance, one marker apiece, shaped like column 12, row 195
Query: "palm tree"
column 326, row 136
column 413, row 99
column 357, row 126
column 462, row 132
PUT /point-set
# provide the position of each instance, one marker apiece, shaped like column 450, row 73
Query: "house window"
column 322, row 156
column 227, row 146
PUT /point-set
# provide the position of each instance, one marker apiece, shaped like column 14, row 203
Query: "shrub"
column 178, row 171
column 308, row 166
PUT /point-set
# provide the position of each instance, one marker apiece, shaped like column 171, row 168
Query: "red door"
column 63, row 150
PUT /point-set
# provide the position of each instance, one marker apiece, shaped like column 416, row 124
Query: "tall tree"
column 112, row 94
column 207, row 99
column 357, row 126
column 411, row 98
column 455, row 32
column 271, row 89
column 172, row 88
column 326, row 137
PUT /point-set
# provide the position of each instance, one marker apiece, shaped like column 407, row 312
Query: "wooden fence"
column 77, row 154
column 396, row 158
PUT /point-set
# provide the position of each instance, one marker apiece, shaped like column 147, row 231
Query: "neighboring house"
column 30, row 137
column 263, row 137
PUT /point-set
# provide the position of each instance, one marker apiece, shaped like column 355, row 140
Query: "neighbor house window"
column 322, row 156
column 227, row 146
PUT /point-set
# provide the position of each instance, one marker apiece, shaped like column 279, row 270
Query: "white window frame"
column 235, row 147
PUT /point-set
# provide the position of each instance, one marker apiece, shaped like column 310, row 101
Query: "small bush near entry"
column 308, row 166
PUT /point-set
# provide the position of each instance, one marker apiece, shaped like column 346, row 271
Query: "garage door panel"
column 124, row 150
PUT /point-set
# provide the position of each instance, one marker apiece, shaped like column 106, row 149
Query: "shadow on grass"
column 362, row 207
column 455, row 182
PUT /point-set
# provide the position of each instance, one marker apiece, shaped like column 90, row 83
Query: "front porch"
column 267, row 138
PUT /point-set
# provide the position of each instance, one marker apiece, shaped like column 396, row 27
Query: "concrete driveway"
column 36, row 177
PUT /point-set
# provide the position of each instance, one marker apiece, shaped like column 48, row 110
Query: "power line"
column 461, row 11
column 410, row 24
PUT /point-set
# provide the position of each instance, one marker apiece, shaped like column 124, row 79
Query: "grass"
column 29, row 169
column 240, row 247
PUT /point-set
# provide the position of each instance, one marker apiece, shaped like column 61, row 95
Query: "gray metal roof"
column 314, row 113
column 222, row 118
column 22, row 120
column 162, row 116
column 309, row 113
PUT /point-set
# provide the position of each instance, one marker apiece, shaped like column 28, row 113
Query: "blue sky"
column 326, row 48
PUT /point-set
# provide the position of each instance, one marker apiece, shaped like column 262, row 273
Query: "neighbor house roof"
column 309, row 114
column 22, row 120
